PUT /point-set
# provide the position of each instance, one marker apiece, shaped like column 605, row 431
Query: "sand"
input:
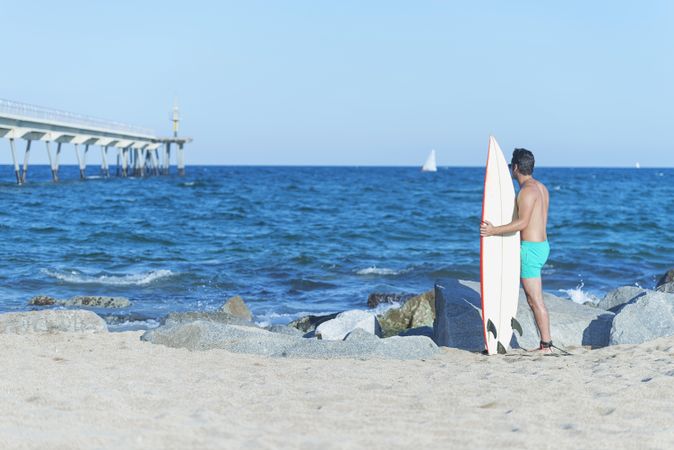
column 113, row 391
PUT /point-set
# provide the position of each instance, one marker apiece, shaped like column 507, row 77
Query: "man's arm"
column 525, row 205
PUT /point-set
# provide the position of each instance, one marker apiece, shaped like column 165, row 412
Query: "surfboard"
column 499, row 255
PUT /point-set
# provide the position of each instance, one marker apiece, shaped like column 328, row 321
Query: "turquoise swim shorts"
column 533, row 256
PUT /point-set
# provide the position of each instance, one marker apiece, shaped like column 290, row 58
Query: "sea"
column 308, row 240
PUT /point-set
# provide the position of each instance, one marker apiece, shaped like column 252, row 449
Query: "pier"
column 137, row 149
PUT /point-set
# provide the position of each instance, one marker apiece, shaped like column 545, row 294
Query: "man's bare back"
column 534, row 199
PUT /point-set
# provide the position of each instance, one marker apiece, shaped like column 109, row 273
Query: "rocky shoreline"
column 413, row 327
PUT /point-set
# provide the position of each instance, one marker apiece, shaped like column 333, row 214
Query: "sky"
column 346, row 82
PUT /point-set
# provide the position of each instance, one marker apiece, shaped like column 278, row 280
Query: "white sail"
column 429, row 165
column 637, row 165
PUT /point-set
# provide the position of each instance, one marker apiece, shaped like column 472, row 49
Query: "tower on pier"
column 175, row 118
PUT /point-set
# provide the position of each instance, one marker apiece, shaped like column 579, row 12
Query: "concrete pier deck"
column 137, row 148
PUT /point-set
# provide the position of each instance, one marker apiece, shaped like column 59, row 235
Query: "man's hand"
column 486, row 229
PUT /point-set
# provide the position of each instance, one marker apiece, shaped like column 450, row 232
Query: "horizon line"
column 402, row 166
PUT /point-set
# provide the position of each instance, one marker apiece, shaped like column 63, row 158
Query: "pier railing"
column 32, row 112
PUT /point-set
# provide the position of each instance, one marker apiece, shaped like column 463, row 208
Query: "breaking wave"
column 579, row 296
column 136, row 279
column 378, row 271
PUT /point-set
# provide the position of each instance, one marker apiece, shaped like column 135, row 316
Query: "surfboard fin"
column 516, row 326
column 500, row 349
column 491, row 328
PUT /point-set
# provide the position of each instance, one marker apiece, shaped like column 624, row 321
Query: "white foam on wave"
column 135, row 279
column 383, row 307
column 377, row 271
column 579, row 296
column 134, row 325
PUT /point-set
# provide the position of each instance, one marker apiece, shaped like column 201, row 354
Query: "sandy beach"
column 67, row 390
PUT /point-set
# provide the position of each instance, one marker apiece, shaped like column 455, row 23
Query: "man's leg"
column 533, row 287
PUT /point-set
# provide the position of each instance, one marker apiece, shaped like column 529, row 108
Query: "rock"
column 42, row 300
column 459, row 324
column 419, row 331
column 205, row 335
column 52, row 321
column 418, row 311
column 98, row 302
column 617, row 298
column 361, row 335
column 309, row 323
column 378, row 298
column 236, row 307
column 344, row 323
column 668, row 277
column 667, row 287
column 649, row 317
column 88, row 301
column 211, row 316
column 284, row 329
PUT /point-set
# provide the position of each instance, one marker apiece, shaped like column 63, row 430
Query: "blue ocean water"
column 294, row 240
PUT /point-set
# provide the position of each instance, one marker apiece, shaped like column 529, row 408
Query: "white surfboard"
column 499, row 255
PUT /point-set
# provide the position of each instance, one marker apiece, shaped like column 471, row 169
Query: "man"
column 532, row 204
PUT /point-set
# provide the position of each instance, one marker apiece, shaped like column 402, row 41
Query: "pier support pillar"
column 16, row 163
column 105, row 171
column 79, row 161
column 140, row 162
column 26, row 156
column 167, row 158
column 136, row 162
column 84, row 160
column 124, row 161
column 181, row 160
column 118, row 161
column 54, row 177
column 57, row 160
column 156, row 162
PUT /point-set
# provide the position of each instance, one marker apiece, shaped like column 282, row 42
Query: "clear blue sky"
column 358, row 82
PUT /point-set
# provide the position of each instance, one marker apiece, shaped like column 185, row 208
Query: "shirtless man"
column 532, row 203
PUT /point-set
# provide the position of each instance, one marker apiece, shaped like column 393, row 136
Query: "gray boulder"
column 419, row 331
column 346, row 322
column 617, row 298
column 210, row 316
column 52, row 321
column 284, row 329
column 309, row 323
column 668, row 277
column 649, row 317
column 458, row 320
column 667, row 287
column 236, row 307
column 361, row 335
column 92, row 301
column 205, row 335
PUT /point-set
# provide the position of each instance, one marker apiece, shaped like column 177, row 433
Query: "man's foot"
column 545, row 347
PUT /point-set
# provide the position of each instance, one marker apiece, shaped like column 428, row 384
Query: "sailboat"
column 429, row 165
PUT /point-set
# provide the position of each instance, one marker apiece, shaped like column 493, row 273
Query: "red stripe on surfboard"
column 484, row 192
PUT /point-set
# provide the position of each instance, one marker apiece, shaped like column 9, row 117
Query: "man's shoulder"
column 532, row 191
